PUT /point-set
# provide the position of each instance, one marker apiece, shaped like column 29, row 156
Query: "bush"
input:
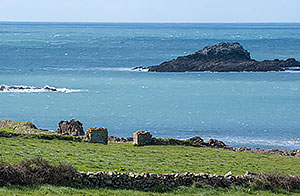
column 36, row 171
column 278, row 181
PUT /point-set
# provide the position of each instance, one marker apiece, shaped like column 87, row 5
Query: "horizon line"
column 152, row 22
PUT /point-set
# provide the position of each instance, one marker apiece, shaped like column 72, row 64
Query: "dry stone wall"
column 147, row 181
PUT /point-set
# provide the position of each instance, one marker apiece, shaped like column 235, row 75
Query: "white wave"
column 280, row 143
column 115, row 69
column 291, row 71
column 93, row 69
column 33, row 89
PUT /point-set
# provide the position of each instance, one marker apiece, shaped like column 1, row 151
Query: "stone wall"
column 39, row 171
column 114, row 139
column 212, row 143
column 194, row 141
column 147, row 181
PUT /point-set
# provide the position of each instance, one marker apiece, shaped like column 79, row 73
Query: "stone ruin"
column 97, row 135
column 73, row 128
column 142, row 138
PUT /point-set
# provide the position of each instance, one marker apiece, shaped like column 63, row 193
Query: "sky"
column 150, row 10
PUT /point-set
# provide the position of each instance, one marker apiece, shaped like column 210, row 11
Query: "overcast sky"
column 150, row 10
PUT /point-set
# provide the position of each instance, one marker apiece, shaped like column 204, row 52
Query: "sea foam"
column 33, row 89
column 91, row 69
column 284, row 143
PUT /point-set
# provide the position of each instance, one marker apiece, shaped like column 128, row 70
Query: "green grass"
column 22, row 127
column 154, row 159
column 23, row 132
column 130, row 158
column 39, row 134
column 54, row 190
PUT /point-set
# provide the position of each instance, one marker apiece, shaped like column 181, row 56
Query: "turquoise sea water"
column 241, row 109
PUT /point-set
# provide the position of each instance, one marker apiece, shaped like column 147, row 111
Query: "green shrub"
column 36, row 171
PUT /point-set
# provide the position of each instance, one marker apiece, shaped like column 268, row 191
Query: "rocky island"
column 223, row 57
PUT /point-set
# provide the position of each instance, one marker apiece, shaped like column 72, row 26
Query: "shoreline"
column 212, row 143
column 23, row 128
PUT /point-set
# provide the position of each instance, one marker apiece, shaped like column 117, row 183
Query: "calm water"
column 242, row 109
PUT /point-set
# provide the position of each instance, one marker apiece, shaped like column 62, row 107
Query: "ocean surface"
column 90, row 65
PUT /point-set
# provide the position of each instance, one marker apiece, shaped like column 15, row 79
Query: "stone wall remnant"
column 142, row 138
column 97, row 135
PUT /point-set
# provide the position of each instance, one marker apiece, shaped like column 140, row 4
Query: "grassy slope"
column 54, row 191
column 156, row 159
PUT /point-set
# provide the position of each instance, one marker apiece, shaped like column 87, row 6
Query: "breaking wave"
column 33, row 89
column 284, row 143
column 92, row 69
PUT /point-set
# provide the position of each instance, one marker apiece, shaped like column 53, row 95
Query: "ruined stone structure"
column 97, row 135
column 142, row 138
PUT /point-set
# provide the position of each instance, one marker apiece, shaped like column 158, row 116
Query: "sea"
column 91, row 64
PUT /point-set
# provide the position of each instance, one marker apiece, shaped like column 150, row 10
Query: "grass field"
column 207, row 191
column 54, row 190
column 129, row 158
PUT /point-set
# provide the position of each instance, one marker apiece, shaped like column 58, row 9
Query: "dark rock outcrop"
column 223, row 57
column 289, row 153
column 28, row 88
column 197, row 140
column 216, row 143
column 73, row 128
